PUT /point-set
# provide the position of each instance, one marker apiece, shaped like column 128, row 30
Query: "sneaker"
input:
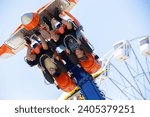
column 96, row 57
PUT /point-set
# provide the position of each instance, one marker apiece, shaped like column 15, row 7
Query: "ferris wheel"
column 127, row 70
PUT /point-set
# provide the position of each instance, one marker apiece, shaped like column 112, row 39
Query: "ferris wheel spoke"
column 127, row 81
column 147, row 65
column 131, row 68
column 133, row 79
column 140, row 65
column 132, row 95
column 119, row 88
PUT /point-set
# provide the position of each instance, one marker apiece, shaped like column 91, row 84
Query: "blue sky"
column 104, row 22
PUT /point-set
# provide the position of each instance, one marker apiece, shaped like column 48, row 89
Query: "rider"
column 63, row 29
column 87, row 61
column 51, row 64
column 34, row 53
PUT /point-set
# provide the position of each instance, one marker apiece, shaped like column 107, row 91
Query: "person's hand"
column 42, row 68
column 52, row 60
column 67, row 51
column 78, row 41
column 56, row 15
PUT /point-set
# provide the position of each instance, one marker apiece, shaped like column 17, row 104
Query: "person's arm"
column 43, row 41
column 29, row 55
column 54, row 36
column 65, row 22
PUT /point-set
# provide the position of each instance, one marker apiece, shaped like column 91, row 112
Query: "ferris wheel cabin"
column 144, row 44
column 121, row 50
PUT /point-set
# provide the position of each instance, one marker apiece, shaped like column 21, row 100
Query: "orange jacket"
column 65, row 82
column 90, row 65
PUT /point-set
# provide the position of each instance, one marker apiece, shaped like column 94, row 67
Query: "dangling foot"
column 96, row 57
column 46, row 20
column 57, row 87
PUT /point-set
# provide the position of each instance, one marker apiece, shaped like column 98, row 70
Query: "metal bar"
column 140, row 65
column 132, row 68
column 127, row 80
column 133, row 78
column 118, row 87
column 148, row 69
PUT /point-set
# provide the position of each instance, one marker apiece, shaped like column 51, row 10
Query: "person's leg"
column 70, row 63
column 78, row 72
column 73, row 58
